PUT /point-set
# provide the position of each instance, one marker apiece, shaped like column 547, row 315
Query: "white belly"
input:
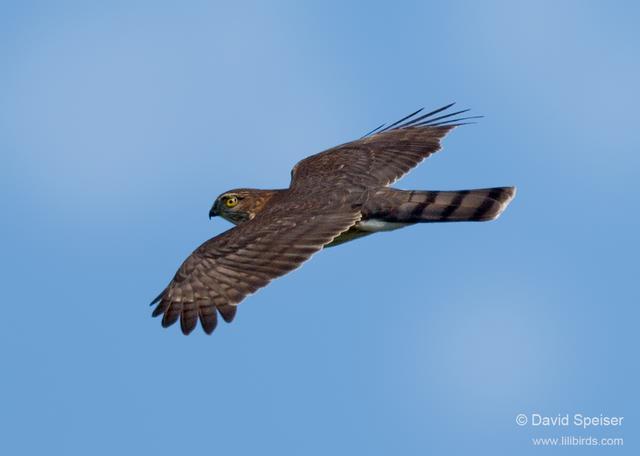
column 373, row 225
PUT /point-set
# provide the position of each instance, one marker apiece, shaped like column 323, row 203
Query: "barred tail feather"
column 453, row 206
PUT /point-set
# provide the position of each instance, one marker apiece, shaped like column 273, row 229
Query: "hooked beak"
column 214, row 210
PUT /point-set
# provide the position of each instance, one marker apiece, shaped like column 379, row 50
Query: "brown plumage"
column 334, row 197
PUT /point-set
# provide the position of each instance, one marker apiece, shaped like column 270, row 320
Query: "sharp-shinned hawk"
column 334, row 196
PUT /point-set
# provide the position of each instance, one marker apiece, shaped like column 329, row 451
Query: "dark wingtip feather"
column 455, row 122
column 402, row 120
column 158, row 298
column 373, row 131
column 188, row 317
column 169, row 318
column 228, row 312
column 186, row 329
column 162, row 306
column 411, row 120
column 157, row 312
column 425, row 116
column 208, row 318
column 433, row 120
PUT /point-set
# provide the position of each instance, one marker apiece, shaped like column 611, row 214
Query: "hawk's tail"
column 449, row 206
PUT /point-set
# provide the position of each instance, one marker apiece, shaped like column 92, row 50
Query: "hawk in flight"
column 335, row 196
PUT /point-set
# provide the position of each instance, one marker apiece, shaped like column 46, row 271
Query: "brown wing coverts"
column 224, row 270
column 379, row 159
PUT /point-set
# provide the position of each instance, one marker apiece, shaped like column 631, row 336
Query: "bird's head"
column 240, row 205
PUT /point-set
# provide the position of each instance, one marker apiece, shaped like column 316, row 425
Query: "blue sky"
column 120, row 122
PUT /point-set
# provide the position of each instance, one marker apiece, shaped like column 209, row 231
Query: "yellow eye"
column 231, row 201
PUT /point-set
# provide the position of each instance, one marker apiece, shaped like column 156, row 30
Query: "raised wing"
column 380, row 157
column 224, row 270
